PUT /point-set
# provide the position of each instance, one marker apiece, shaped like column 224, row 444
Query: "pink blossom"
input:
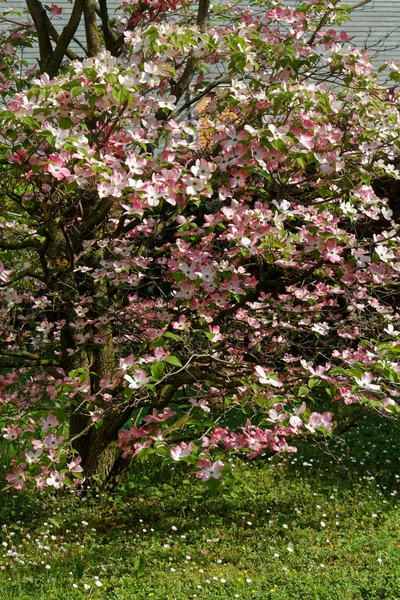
column 48, row 423
column 17, row 478
column 55, row 10
column 209, row 470
column 52, row 442
column 159, row 417
column 275, row 417
column 56, row 167
column 182, row 323
column 203, row 169
column 265, row 378
column 12, row 432
column 365, row 382
column 182, row 450
column 318, row 420
column 33, row 457
column 75, row 465
column 55, row 479
column 138, row 380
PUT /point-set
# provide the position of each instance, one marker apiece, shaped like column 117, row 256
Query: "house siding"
column 375, row 26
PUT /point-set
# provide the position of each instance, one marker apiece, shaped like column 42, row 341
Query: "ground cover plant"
column 323, row 525
column 199, row 261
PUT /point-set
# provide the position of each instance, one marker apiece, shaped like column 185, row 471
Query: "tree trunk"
column 98, row 446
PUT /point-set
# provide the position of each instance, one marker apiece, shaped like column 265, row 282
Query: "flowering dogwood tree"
column 193, row 278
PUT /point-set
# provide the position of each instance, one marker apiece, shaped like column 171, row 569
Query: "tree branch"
column 202, row 14
column 205, row 92
column 22, row 275
column 110, row 37
column 360, row 4
column 180, row 86
column 97, row 214
column 53, row 33
column 43, row 362
column 92, row 31
column 39, row 17
column 65, row 38
column 322, row 23
column 20, row 245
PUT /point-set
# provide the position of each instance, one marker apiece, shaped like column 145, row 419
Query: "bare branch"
column 197, row 98
column 92, row 31
column 97, row 214
column 22, row 275
column 43, row 362
column 65, row 38
column 180, row 86
column 360, row 4
column 202, row 14
column 39, row 17
column 29, row 243
column 323, row 22
column 53, row 33
column 110, row 37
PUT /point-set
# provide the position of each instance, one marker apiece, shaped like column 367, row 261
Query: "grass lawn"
column 322, row 524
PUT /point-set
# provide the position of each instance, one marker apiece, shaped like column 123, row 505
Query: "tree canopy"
column 198, row 236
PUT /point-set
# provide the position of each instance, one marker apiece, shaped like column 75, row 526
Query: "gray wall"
column 375, row 26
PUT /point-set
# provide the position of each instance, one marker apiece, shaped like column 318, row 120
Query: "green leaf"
column 179, row 276
column 312, row 383
column 278, row 102
column 213, row 485
column 173, row 360
column 54, row 522
column 65, row 123
column 157, row 369
column 138, row 565
column 76, row 91
column 303, row 391
column 121, row 95
column 172, row 336
column 365, row 178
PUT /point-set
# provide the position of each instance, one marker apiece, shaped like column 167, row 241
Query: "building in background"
column 375, row 26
